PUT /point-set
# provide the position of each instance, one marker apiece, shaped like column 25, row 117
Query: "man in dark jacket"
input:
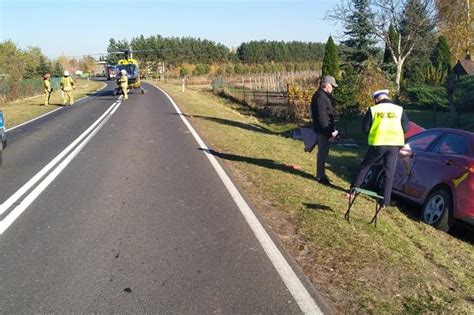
column 322, row 115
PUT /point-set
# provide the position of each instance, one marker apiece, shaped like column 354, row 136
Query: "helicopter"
column 130, row 65
column 127, row 63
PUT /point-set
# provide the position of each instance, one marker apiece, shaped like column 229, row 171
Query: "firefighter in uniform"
column 385, row 123
column 67, row 86
column 123, row 83
column 47, row 88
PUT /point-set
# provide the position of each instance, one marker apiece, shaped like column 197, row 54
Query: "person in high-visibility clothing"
column 123, row 83
column 385, row 124
column 67, row 86
column 47, row 88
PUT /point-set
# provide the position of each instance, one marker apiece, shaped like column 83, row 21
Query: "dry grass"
column 402, row 266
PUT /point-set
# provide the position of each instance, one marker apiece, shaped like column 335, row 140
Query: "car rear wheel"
column 437, row 210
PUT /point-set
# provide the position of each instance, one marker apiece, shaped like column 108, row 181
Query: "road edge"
column 295, row 280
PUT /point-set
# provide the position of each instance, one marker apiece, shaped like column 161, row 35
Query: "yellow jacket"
column 47, row 86
column 123, row 81
column 67, row 84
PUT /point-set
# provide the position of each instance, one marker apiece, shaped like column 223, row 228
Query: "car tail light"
column 470, row 169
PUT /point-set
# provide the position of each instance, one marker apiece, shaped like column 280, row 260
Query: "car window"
column 452, row 144
column 420, row 142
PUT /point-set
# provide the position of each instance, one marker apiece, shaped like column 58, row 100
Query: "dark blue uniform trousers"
column 388, row 155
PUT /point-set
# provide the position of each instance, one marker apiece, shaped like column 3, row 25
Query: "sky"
column 83, row 27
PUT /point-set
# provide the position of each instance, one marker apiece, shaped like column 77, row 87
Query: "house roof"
column 463, row 67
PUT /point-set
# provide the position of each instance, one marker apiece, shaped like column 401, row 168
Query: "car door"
column 453, row 153
column 415, row 164
column 443, row 162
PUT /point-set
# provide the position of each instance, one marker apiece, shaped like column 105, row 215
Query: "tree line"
column 18, row 64
column 176, row 51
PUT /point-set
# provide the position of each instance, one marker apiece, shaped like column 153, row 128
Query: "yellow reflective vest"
column 386, row 128
column 67, row 84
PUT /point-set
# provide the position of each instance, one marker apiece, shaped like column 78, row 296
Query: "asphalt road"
column 135, row 221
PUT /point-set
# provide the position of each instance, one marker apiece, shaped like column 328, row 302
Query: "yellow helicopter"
column 130, row 65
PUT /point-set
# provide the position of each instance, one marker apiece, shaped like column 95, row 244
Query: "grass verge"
column 23, row 110
column 402, row 266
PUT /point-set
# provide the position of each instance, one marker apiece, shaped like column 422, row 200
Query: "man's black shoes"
column 324, row 181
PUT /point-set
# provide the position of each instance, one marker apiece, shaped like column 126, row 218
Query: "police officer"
column 123, row 83
column 47, row 88
column 322, row 114
column 67, row 86
column 385, row 123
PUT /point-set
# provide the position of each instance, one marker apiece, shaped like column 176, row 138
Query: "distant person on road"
column 385, row 124
column 322, row 115
column 47, row 88
column 123, row 83
column 67, row 86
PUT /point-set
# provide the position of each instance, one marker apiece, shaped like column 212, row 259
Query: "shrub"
column 370, row 79
column 201, row 69
column 464, row 94
column 229, row 69
column 268, row 68
column 184, row 71
column 425, row 96
column 239, row 68
column 299, row 100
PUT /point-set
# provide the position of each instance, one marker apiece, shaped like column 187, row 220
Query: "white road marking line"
column 18, row 210
column 36, row 118
column 46, row 114
column 27, row 186
column 302, row 297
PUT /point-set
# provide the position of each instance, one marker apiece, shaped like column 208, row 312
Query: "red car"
column 436, row 171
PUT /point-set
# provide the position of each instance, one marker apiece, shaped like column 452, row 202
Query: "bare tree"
column 87, row 64
column 409, row 18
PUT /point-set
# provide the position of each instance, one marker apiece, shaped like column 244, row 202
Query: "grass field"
column 401, row 266
column 23, row 110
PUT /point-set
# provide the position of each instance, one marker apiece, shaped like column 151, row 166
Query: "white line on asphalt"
column 18, row 210
column 46, row 114
column 298, row 291
column 31, row 120
column 28, row 185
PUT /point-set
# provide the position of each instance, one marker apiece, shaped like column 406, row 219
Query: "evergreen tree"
column 393, row 37
column 359, row 34
column 388, row 64
column 113, row 48
column 57, row 69
column 259, row 52
column 417, row 16
column 331, row 60
column 43, row 67
column 441, row 55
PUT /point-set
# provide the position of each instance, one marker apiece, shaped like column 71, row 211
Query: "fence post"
column 243, row 87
